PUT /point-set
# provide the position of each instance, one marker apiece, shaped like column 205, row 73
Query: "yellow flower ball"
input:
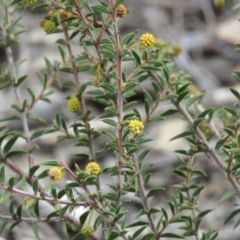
column 87, row 230
column 135, row 126
column 177, row 49
column 73, row 103
column 55, row 173
column 124, row 84
column 218, row 3
column 49, row 27
column 93, row 169
column 42, row 22
column 147, row 40
column 121, row 11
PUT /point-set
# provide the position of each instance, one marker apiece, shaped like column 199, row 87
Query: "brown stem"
column 47, row 199
column 119, row 94
column 143, row 194
column 28, row 219
column 13, row 72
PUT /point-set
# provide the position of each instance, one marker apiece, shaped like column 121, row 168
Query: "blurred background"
column 207, row 35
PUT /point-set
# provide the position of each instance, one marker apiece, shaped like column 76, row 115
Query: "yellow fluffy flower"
column 87, row 230
column 93, row 169
column 73, row 103
column 49, row 27
column 121, row 11
column 147, row 40
column 55, row 173
column 135, row 126
column 124, row 84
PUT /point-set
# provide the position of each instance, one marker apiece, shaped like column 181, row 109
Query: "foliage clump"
column 112, row 85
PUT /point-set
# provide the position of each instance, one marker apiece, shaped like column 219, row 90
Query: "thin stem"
column 32, row 220
column 143, row 194
column 71, row 56
column 21, row 173
column 18, row 96
column 47, row 199
column 190, row 164
column 119, row 94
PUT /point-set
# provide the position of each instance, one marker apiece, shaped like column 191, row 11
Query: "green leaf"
column 147, row 107
column 143, row 155
column 110, row 122
column 194, row 99
column 184, row 134
column 108, row 87
column 205, row 112
column 83, row 217
column 64, row 228
column 149, row 236
column 232, row 215
column 72, row 185
column 2, row 227
column 9, row 144
column 171, row 235
column 36, row 118
column 138, row 232
column 147, row 178
column 197, row 122
column 151, row 68
column 79, row 236
column 35, row 186
column 10, row 118
column 227, row 195
column 30, row 204
column 109, row 112
column 41, row 132
column 200, row 216
column 23, row 183
column 164, row 214
column 155, row 191
column 136, row 224
column 148, row 98
column 100, row 8
column 127, row 39
column 137, row 58
column 5, row 197
column 14, row 153
column 235, row 93
column 236, row 75
column 62, row 52
column 2, row 176
column 4, row 85
column 39, row 6
column 33, row 169
column 50, row 163
column 62, row 41
column 118, row 2
column 203, row 213
column 231, row 111
column 35, row 230
column 157, row 118
column 146, row 167
column 128, row 105
column 221, row 142
column 140, row 213
column 169, row 112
